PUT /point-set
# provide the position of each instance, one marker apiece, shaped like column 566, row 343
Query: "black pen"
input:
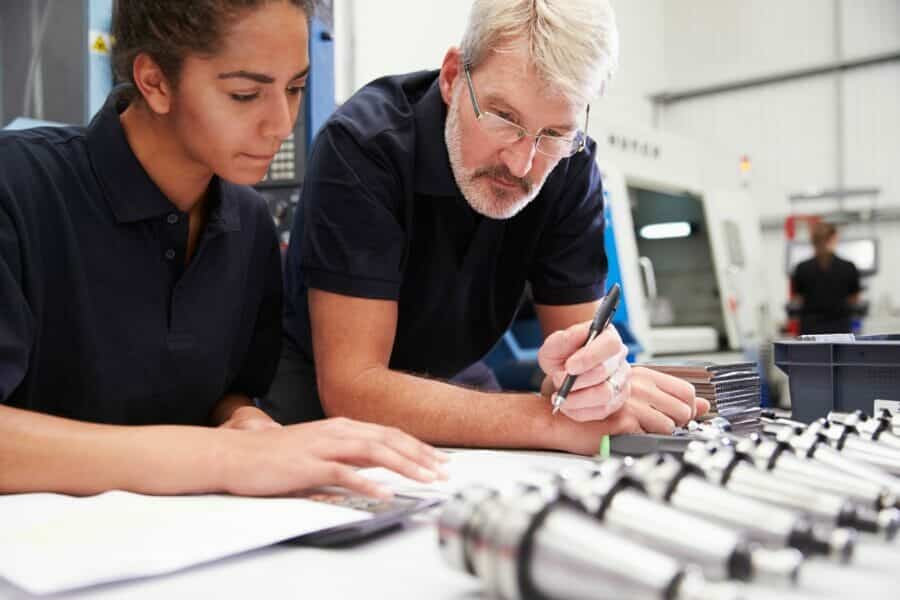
column 601, row 319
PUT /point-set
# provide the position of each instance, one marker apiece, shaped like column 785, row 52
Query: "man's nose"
column 519, row 157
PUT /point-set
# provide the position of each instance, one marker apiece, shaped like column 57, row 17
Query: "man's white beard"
column 489, row 200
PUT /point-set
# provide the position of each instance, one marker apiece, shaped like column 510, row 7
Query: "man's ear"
column 451, row 68
column 152, row 83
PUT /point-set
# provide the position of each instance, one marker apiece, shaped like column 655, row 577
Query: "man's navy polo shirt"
column 102, row 321
column 382, row 217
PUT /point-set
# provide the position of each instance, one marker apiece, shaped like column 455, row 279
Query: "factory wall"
column 397, row 36
column 819, row 132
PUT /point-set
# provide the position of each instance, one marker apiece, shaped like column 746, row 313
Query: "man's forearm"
column 40, row 453
column 445, row 414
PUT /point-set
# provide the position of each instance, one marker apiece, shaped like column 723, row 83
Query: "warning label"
column 99, row 42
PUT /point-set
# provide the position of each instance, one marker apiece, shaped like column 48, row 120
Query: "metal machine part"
column 890, row 417
column 723, row 465
column 617, row 498
column 851, row 444
column 675, row 482
column 809, row 444
column 876, row 429
column 778, row 457
column 525, row 545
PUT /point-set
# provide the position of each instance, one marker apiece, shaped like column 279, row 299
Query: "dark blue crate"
column 844, row 376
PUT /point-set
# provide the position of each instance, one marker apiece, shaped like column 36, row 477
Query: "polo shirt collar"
column 130, row 192
column 223, row 209
column 434, row 176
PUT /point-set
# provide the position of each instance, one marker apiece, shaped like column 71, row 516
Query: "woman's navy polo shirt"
column 102, row 321
column 382, row 217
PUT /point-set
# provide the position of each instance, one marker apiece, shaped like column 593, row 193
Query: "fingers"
column 644, row 390
column 702, row 406
column 602, row 394
column 370, row 453
column 397, row 440
column 652, row 420
column 596, row 374
column 560, row 345
column 332, row 473
column 677, row 388
column 604, row 350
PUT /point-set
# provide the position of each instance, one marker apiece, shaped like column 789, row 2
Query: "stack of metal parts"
column 731, row 509
column 733, row 390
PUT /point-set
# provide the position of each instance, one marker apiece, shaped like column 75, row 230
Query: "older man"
column 431, row 200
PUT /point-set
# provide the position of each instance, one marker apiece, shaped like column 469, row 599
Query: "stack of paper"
column 733, row 390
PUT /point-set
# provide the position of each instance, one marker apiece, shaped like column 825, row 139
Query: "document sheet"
column 52, row 542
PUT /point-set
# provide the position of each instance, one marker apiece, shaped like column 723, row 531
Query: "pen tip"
column 555, row 410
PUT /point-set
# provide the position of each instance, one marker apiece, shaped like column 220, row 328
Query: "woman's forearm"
column 40, row 453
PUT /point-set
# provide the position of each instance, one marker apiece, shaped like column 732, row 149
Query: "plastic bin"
column 841, row 375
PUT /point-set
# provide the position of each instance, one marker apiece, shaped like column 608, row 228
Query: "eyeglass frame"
column 522, row 131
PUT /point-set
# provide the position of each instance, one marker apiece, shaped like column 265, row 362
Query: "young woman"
column 140, row 279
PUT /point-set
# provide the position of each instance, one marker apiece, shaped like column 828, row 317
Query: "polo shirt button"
column 172, row 219
column 170, row 254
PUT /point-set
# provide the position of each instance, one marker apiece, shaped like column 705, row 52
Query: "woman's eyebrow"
column 258, row 77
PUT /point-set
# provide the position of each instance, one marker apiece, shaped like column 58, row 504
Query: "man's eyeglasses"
column 507, row 132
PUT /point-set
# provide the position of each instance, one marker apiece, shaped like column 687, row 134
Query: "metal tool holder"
column 526, row 545
column 731, row 508
column 683, row 486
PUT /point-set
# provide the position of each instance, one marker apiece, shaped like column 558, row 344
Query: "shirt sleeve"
column 351, row 239
column 571, row 264
column 261, row 358
column 854, row 284
column 16, row 317
column 798, row 283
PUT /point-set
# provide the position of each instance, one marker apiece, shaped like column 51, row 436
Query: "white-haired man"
column 431, row 200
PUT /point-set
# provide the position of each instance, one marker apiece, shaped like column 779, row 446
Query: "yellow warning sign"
column 99, row 45
column 99, row 42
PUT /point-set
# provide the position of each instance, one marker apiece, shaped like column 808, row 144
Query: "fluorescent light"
column 665, row 231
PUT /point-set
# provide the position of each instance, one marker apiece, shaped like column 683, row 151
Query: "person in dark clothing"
column 431, row 200
column 140, row 276
column 826, row 286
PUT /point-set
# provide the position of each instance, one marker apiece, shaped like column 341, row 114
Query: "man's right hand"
column 323, row 453
column 655, row 403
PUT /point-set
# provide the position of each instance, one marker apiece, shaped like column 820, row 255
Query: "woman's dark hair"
column 169, row 30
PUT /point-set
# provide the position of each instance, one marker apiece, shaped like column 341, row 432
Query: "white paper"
column 51, row 542
column 489, row 467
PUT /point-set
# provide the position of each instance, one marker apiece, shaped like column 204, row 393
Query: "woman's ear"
column 152, row 83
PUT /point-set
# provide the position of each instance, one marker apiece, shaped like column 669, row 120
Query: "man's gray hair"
column 573, row 44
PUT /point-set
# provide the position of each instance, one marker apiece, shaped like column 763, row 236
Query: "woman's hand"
column 286, row 460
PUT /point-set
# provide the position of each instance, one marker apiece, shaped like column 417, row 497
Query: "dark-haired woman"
column 140, row 278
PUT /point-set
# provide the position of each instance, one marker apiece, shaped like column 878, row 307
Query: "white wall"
column 397, row 36
column 381, row 37
column 790, row 130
